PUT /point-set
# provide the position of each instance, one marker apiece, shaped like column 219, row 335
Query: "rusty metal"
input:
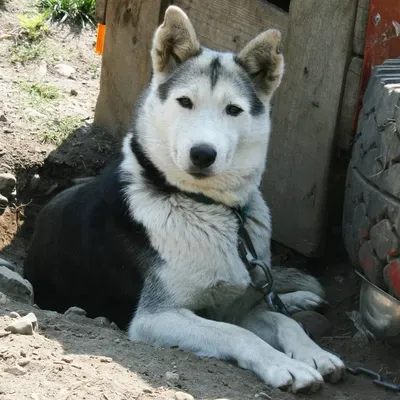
column 382, row 41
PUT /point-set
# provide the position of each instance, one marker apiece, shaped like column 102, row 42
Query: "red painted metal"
column 382, row 41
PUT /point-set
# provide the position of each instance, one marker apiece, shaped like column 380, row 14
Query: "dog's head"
column 205, row 121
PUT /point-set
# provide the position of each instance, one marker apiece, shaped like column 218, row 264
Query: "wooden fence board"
column 319, row 41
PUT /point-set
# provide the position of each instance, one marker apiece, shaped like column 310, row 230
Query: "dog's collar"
column 157, row 179
column 241, row 212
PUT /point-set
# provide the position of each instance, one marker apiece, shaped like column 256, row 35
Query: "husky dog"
column 152, row 242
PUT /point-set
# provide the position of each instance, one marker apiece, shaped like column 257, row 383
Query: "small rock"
column 24, row 326
column 117, row 340
column 34, row 182
column 4, row 334
column 24, row 362
column 114, row 326
column 106, row 359
column 7, row 183
column 101, row 321
column 75, row 311
column 3, row 118
column 42, row 70
column 171, row 376
column 65, row 70
column 183, row 396
column 67, row 359
column 3, row 299
column 73, row 92
column 315, row 323
column 22, row 353
column 14, row 314
column 15, row 370
column 31, row 112
column 3, row 202
column 13, row 285
column 7, row 130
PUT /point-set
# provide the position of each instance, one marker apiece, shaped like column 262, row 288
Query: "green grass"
column 41, row 90
column 82, row 11
column 34, row 25
column 25, row 52
column 59, row 129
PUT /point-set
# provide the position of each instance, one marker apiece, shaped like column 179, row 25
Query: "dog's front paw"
column 328, row 365
column 301, row 300
column 290, row 375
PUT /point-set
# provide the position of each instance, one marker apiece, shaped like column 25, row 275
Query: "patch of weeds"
column 82, row 11
column 59, row 129
column 41, row 90
column 34, row 25
column 25, row 52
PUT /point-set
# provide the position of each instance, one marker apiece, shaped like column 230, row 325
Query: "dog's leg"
column 301, row 300
column 286, row 334
column 183, row 328
column 288, row 280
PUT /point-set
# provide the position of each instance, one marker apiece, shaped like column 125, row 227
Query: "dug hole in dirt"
column 47, row 142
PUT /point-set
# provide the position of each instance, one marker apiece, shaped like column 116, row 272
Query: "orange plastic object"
column 101, row 34
column 382, row 41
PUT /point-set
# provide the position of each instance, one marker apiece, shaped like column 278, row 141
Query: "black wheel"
column 371, row 219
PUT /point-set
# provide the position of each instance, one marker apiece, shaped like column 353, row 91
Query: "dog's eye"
column 233, row 110
column 185, row 102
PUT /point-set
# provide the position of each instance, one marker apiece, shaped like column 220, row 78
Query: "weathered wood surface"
column 360, row 27
column 319, row 38
column 228, row 25
column 349, row 102
column 126, row 64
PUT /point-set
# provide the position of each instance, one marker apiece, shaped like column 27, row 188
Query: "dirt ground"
column 45, row 129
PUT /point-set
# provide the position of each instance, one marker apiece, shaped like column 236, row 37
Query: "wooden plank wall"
column 319, row 41
column 126, row 63
column 227, row 25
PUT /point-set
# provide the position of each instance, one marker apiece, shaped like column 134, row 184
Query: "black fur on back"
column 88, row 252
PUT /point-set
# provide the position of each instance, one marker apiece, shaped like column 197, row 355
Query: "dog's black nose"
column 202, row 155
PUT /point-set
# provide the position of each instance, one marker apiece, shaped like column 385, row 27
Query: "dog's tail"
column 291, row 280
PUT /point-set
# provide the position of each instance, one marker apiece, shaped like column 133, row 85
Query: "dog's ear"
column 174, row 41
column 263, row 61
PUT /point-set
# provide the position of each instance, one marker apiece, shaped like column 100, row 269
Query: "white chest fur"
column 198, row 244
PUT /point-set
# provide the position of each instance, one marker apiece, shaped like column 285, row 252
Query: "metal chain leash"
column 274, row 303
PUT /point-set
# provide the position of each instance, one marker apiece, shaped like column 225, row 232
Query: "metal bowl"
column 380, row 312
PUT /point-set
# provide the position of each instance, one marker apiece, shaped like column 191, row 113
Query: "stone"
column 42, row 70
column 3, row 118
column 31, row 112
column 15, row 370
column 3, row 299
column 73, row 92
column 7, row 183
column 391, row 275
column 371, row 264
column 13, row 285
column 65, row 70
column 114, row 326
column 14, row 315
column 75, row 311
column 316, row 324
column 183, row 396
column 23, row 362
column 171, row 376
column 67, row 359
column 102, row 321
column 3, row 203
column 383, row 240
column 34, row 182
column 24, row 326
